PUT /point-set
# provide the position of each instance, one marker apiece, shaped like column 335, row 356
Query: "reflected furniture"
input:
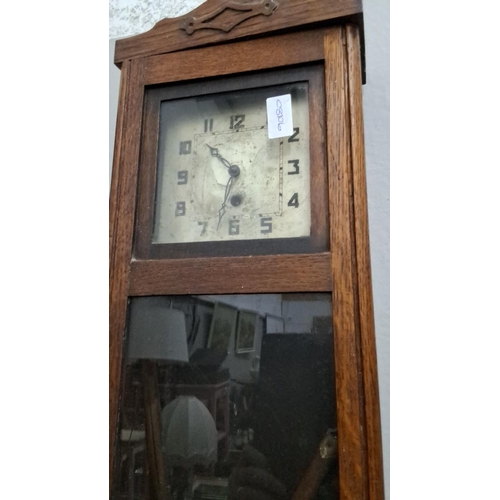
column 216, row 399
column 132, row 445
column 156, row 334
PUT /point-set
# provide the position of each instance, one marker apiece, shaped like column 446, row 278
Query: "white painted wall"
column 128, row 17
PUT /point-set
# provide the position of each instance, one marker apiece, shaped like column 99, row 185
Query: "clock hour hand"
column 215, row 152
column 234, row 170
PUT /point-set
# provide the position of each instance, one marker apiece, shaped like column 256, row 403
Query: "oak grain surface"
column 366, row 313
column 123, row 232
column 238, row 57
column 115, row 175
column 168, row 35
column 258, row 274
column 352, row 459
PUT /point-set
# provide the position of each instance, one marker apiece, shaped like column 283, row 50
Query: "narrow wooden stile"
column 113, row 216
column 123, row 222
column 366, row 313
column 115, row 176
column 352, row 449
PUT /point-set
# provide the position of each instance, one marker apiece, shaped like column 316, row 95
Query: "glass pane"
column 227, row 395
column 220, row 176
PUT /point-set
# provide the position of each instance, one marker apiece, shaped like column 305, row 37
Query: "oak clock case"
column 214, row 223
column 218, row 184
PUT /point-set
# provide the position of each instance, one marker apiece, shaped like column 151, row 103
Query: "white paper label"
column 279, row 116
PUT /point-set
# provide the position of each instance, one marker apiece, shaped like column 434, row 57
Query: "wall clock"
column 239, row 179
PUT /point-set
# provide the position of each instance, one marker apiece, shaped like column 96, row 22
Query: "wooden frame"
column 170, row 35
column 223, row 326
column 154, row 96
column 247, row 327
column 344, row 270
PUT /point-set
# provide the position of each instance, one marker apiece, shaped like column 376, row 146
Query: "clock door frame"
column 343, row 271
column 318, row 241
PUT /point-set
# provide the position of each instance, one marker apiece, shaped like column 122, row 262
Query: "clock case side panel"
column 121, row 214
column 363, row 262
column 317, row 242
column 359, row 430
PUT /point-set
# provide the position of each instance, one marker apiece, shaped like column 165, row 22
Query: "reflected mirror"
column 228, row 397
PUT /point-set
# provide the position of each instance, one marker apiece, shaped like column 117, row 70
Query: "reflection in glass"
column 227, row 395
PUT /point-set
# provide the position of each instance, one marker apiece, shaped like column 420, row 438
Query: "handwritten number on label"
column 279, row 114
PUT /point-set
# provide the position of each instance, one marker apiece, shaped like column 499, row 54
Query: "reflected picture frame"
column 245, row 332
column 222, row 327
column 274, row 324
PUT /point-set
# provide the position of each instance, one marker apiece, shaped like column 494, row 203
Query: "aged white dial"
column 220, row 177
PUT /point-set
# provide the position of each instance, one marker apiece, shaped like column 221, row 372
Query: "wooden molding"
column 173, row 34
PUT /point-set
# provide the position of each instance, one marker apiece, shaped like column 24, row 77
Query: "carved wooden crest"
column 227, row 16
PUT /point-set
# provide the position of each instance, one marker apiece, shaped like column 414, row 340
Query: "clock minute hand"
column 222, row 209
column 234, row 171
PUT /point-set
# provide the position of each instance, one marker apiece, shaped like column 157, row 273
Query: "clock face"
column 220, row 176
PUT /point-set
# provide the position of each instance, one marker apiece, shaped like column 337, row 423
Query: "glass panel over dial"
column 220, row 177
column 225, row 392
